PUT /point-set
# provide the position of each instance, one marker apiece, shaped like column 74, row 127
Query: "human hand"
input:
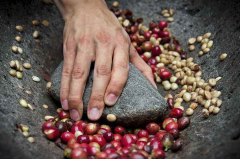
column 93, row 33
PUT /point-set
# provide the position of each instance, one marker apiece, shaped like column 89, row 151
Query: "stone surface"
column 214, row 138
column 139, row 103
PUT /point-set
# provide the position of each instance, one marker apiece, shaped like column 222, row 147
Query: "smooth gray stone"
column 138, row 104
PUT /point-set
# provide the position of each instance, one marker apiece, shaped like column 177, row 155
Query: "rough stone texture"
column 139, row 103
column 216, row 137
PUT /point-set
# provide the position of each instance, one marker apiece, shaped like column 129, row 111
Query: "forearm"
column 69, row 7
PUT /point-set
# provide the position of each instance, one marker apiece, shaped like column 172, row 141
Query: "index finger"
column 69, row 53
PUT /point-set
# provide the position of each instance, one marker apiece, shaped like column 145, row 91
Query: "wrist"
column 68, row 8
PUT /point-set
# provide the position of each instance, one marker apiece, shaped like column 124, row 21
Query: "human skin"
column 92, row 33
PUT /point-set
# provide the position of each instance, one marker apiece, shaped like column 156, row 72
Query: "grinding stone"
column 139, row 103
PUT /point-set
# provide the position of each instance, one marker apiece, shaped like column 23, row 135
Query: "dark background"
column 216, row 137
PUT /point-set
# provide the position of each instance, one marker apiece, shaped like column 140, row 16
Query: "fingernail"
column 74, row 114
column 65, row 104
column 94, row 114
column 153, row 83
column 111, row 99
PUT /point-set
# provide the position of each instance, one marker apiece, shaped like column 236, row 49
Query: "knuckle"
column 121, row 38
column 85, row 40
column 116, row 88
column 78, row 73
column 69, row 44
column 74, row 100
column 97, row 98
column 123, row 65
column 103, row 70
column 69, row 47
column 102, row 37
column 66, row 72
column 63, row 93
